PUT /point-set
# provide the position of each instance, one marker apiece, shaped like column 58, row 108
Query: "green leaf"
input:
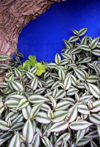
column 80, row 125
column 28, row 131
column 57, row 58
column 36, row 98
column 94, row 43
column 94, row 90
column 4, row 57
column 15, row 141
column 32, row 59
column 41, row 69
column 73, row 39
column 57, row 127
column 82, row 31
column 34, row 111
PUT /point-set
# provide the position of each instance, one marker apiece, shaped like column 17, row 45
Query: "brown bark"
column 14, row 15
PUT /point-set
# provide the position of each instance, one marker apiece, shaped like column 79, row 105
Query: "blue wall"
column 43, row 37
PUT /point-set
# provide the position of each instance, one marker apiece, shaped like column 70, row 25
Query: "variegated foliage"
column 59, row 109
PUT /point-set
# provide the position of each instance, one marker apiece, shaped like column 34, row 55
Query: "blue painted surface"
column 44, row 36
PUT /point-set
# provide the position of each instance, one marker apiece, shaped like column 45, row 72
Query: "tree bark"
column 14, row 15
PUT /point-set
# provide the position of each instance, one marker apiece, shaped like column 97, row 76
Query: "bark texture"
column 14, row 15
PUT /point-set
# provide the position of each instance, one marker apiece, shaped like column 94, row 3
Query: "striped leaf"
column 57, row 127
column 96, row 106
column 82, row 108
column 93, row 79
column 83, row 141
column 11, row 103
column 36, row 141
column 1, row 107
column 80, row 135
column 3, row 125
column 45, row 107
column 55, row 85
column 26, row 112
column 84, row 47
column 75, row 51
column 17, row 73
column 50, row 82
column 65, row 136
column 2, row 141
column 59, row 116
column 22, row 104
column 51, row 65
column 34, row 111
column 28, row 131
column 53, row 102
column 94, row 43
column 98, row 129
column 3, row 85
column 80, row 74
column 57, row 58
column 15, row 141
column 4, row 66
column 86, row 60
column 33, row 69
column 66, row 56
column 4, row 57
column 39, row 91
column 80, row 125
column 72, row 91
column 82, row 31
column 73, row 39
column 19, row 118
column 50, row 114
column 36, row 98
column 60, row 94
column 75, row 32
column 73, row 80
column 42, row 118
column 64, row 61
column 72, row 113
column 67, row 44
column 84, row 40
column 61, row 74
column 11, row 115
column 30, row 75
column 17, row 86
column 94, row 90
column 17, row 126
column 16, row 97
column 62, row 105
column 93, row 144
column 85, row 98
column 34, row 84
column 95, row 118
column 46, row 142
column 67, row 82
column 96, row 52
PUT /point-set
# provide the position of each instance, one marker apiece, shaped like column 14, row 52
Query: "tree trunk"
column 14, row 15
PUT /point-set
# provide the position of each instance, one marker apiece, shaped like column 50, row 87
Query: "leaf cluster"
column 59, row 109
